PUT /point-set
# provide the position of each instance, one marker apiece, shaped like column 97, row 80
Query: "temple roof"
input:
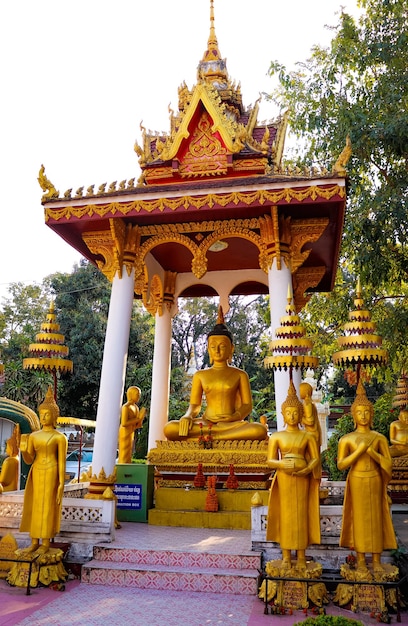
column 217, row 170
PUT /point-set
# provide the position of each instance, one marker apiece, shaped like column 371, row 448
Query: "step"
column 177, row 558
column 171, row 578
column 174, row 570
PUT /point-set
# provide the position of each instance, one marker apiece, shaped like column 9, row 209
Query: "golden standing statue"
column 228, row 397
column 46, row 450
column 310, row 420
column 367, row 525
column 10, row 468
column 131, row 419
column 399, row 434
column 293, row 510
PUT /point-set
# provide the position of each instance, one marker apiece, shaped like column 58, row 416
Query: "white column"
column 279, row 280
column 113, row 373
column 159, row 403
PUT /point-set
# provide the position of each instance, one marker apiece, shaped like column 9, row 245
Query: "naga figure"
column 228, row 397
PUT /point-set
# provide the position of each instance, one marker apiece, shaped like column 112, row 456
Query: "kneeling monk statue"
column 228, row 397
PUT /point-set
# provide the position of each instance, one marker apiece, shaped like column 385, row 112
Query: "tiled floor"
column 94, row 605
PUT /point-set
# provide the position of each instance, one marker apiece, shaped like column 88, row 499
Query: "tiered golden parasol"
column 360, row 345
column 401, row 393
column 49, row 352
column 291, row 348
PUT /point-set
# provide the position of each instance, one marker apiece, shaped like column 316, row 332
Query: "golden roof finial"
column 212, row 39
column 212, row 66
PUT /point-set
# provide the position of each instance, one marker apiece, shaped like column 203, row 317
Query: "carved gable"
column 205, row 154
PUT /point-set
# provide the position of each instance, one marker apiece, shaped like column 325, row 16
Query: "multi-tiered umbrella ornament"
column 291, row 348
column 49, row 352
column 400, row 400
column 361, row 346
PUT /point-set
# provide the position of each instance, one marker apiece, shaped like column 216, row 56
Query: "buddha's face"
column 362, row 415
column 403, row 417
column 291, row 415
column 46, row 417
column 219, row 348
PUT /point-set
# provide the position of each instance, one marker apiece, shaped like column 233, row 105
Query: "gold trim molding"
column 186, row 202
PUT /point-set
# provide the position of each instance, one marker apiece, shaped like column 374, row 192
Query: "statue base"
column 46, row 568
column 290, row 589
column 398, row 486
column 175, row 506
column 361, row 596
column 176, row 462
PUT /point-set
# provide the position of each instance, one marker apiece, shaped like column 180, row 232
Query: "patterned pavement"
column 95, row 605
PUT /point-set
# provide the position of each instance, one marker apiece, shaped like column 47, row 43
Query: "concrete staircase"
column 174, row 570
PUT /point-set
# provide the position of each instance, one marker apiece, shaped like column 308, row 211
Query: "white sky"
column 78, row 77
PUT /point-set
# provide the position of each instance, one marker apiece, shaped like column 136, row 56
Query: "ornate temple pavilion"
column 213, row 211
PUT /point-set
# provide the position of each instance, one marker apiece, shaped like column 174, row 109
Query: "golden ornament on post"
column 49, row 352
column 291, row 348
column 360, row 345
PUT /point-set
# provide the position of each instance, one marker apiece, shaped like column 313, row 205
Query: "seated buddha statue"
column 399, row 434
column 9, row 473
column 228, row 397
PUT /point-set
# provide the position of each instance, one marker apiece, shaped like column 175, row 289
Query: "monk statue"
column 367, row 526
column 46, row 451
column 293, row 509
column 131, row 418
column 399, row 434
column 310, row 420
column 227, row 393
column 10, row 469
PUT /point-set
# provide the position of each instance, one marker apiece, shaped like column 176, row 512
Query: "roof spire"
column 212, row 39
column 212, row 67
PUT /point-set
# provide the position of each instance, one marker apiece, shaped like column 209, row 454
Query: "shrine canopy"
column 213, row 198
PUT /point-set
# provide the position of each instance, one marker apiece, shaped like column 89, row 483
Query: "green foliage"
column 358, row 87
column 329, row 620
column 344, row 425
column 22, row 314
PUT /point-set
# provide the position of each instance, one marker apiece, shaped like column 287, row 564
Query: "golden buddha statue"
column 367, row 526
column 46, row 451
column 131, row 418
column 228, row 397
column 10, row 469
column 293, row 509
column 399, row 434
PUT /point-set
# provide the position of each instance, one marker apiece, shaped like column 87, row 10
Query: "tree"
column 358, row 87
